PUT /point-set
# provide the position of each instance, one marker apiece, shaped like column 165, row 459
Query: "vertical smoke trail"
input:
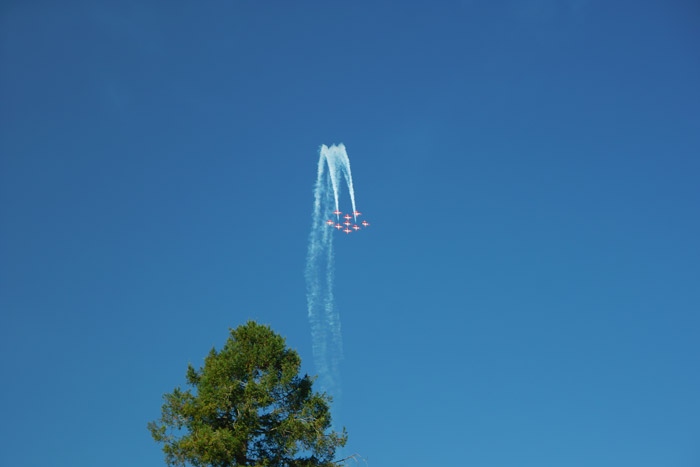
column 326, row 337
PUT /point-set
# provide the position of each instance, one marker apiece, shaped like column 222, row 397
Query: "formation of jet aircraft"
column 348, row 226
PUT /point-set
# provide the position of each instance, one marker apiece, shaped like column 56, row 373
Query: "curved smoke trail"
column 326, row 337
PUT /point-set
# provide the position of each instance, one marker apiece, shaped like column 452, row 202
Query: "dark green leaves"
column 248, row 406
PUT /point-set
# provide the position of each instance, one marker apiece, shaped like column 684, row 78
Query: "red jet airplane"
column 358, row 213
column 347, row 217
column 330, row 222
column 356, row 227
column 338, row 226
column 347, row 231
column 365, row 223
column 337, row 213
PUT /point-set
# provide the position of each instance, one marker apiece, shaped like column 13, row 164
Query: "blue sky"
column 528, row 293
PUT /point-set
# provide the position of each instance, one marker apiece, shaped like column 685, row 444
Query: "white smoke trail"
column 326, row 337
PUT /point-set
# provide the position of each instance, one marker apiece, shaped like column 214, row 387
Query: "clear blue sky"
column 528, row 293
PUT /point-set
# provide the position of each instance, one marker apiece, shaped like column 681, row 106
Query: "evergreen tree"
column 248, row 406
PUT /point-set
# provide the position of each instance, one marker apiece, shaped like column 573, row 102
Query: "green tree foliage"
column 248, row 406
